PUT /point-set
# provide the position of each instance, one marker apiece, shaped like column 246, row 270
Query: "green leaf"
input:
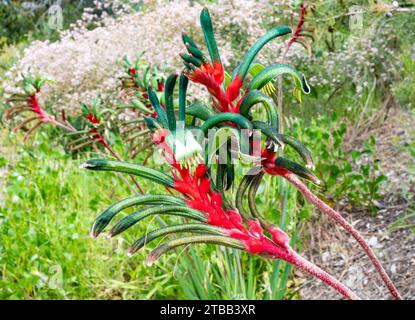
column 139, row 105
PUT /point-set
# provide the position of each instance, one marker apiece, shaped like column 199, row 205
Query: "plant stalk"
column 297, row 183
column 307, row 266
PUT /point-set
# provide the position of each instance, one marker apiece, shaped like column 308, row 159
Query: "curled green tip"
column 207, row 27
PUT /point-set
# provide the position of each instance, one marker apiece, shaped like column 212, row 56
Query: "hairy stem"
column 319, row 273
column 290, row 177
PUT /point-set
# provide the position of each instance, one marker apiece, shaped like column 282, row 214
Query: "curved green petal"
column 254, row 97
column 145, row 199
column 188, row 227
column 273, row 71
column 137, row 216
column 131, row 168
column 170, row 245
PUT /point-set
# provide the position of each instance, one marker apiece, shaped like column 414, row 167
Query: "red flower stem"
column 297, row 183
column 319, row 273
column 297, row 31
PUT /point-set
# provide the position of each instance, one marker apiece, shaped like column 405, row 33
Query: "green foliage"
column 45, row 249
column 405, row 88
column 22, row 21
column 351, row 175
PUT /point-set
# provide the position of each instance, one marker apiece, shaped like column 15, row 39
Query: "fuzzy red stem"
column 297, row 31
column 319, row 273
column 292, row 178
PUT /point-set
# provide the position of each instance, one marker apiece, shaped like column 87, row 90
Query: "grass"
column 46, row 252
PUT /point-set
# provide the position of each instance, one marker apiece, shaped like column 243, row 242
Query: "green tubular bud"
column 183, row 83
column 149, row 199
column 220, row 178
column 189, row 66
column 162, row 117
column 297, row 169
column 200, row 110
column 152, row 123
column 189, row 227
column 253, row 51
column 239, row 120
column 301, row 149
column 194, row 51
column 207, row 28
column 172, row 244
column 188, row 40
column 254, row 97
column 273, row 71
column 253, row 189
column 277, row 137
column 268, row 131
column 137, row 216
column 131, row 168
column 169, row 103
column 240, row 193
column 190, row 59
column 230, row 176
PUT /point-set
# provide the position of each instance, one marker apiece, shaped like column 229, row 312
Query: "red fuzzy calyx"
column 35, row 107
column 197, row 190
column 211, row 78
column 233, row 89
column 92, row 118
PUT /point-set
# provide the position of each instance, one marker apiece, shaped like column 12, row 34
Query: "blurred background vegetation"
column 363, row 84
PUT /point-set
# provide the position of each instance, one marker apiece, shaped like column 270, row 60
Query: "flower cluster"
column 201, row 198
